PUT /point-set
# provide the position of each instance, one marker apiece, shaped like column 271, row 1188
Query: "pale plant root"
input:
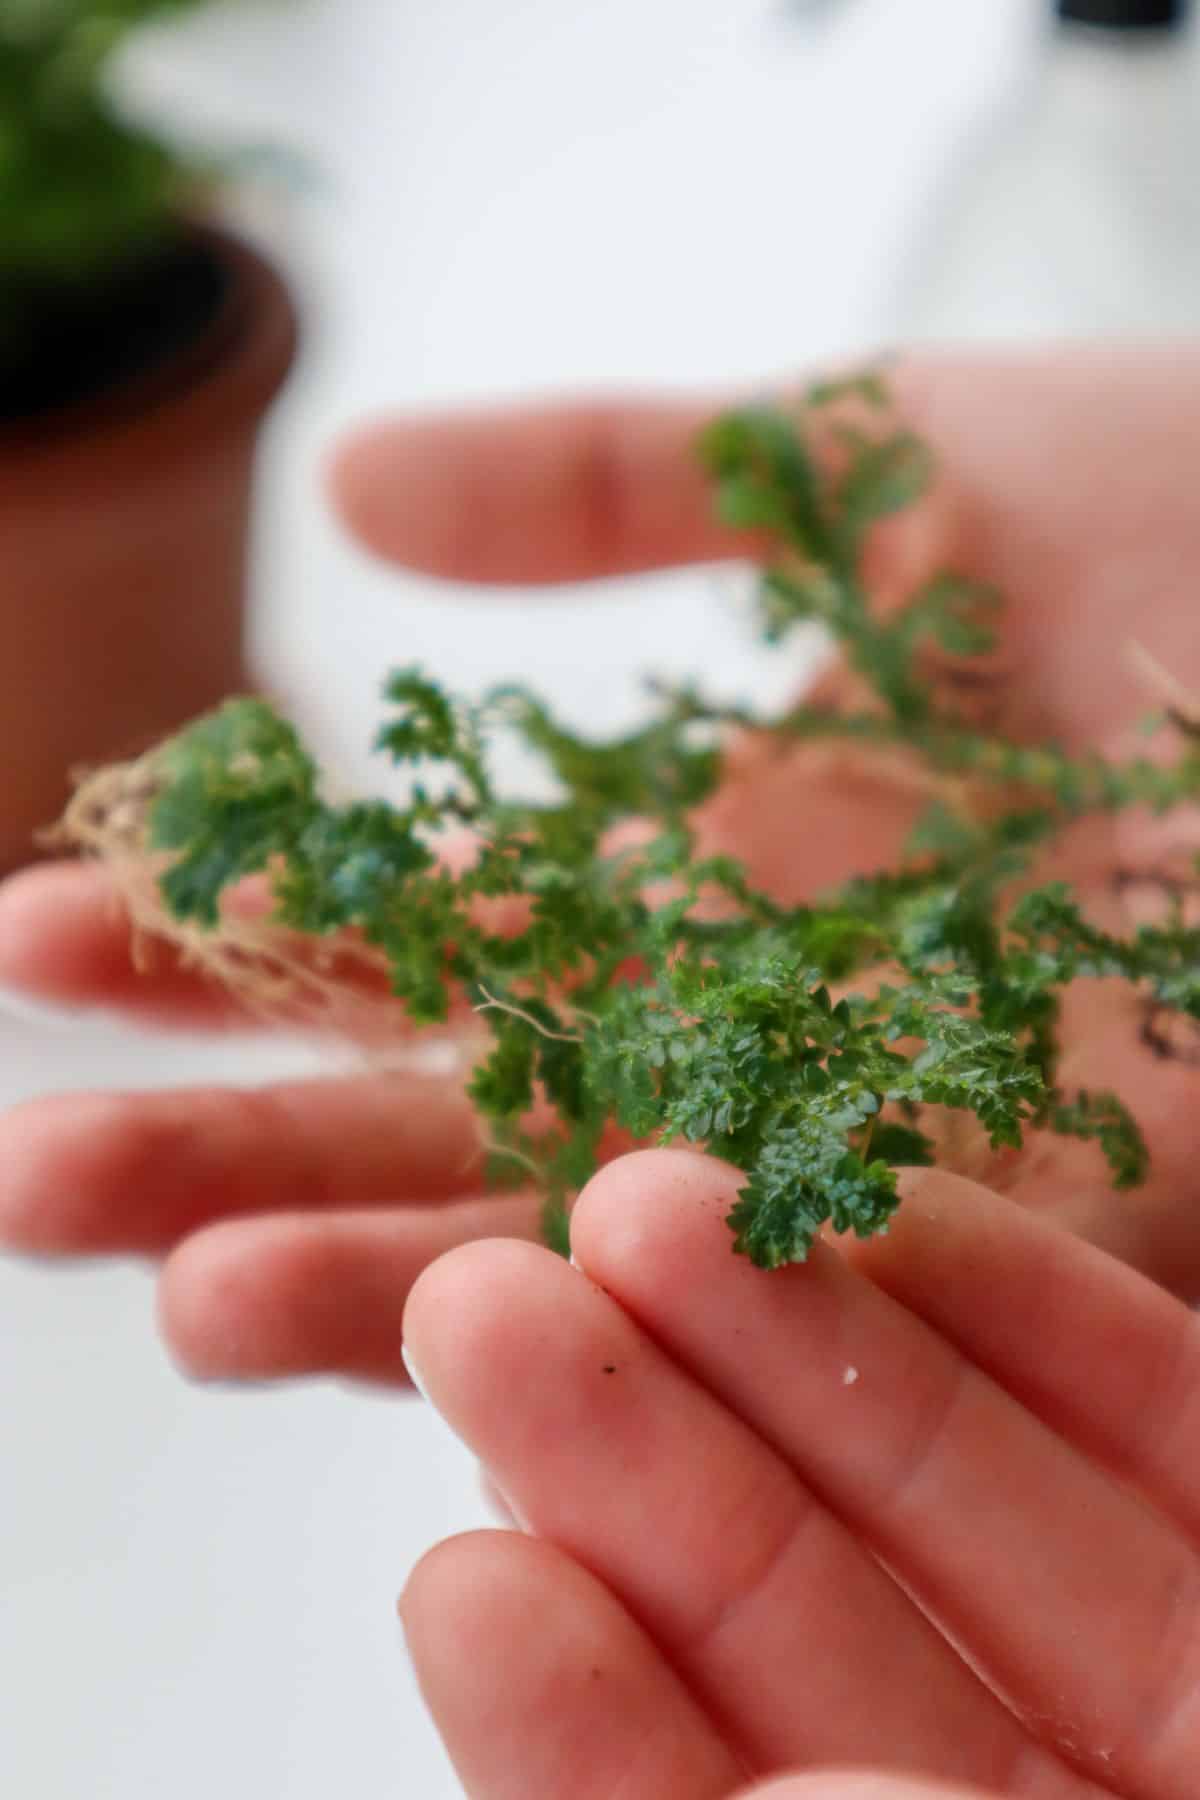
column 336, row 988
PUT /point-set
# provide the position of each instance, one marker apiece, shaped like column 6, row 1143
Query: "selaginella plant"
column 622, row 979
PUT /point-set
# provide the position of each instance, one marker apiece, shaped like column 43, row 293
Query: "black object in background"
column 1125, row 15
column 1070, row 208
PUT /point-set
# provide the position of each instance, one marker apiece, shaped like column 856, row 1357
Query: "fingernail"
column 415, row 1375
column 405, row 1643
column 418, row 1380
column 500, row 1505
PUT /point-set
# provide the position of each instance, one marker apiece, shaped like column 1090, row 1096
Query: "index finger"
column 538, row 494
column 581, row 489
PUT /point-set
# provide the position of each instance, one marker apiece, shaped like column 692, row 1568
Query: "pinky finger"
column 542, row 1685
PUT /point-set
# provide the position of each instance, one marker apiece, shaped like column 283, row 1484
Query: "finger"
column 567, row 491
column 135, row 1172
column 1114, row 1362
column 271, row 1299
column 605, row 1447
column 1074, row 1600
column 65, row 938
column 578, row 1703
column 538, row 494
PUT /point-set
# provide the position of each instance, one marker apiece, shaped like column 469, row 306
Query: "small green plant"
column 82, row 187
column 653, row 988
column 108, row 278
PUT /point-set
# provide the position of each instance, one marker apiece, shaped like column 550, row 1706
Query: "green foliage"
column 237, row 790
column 82, row 186
column 1103, row 1119
column 690, row 1023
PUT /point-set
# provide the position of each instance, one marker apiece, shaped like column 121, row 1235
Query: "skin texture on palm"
column 874, row 1510
column 1067, row 482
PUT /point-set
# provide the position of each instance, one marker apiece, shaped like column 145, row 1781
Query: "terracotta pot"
column 123, row 536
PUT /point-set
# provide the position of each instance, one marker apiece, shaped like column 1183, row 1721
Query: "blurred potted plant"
column 140, row 346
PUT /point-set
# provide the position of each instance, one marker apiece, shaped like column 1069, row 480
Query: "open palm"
column 294, row 1220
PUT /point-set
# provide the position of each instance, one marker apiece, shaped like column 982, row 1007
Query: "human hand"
column 931, row 1506
column 294, row 1220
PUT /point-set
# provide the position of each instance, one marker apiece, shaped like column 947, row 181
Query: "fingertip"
column 476, row 1569
column 48, row 928
column 346, row 476
column 53, row 1151
column 560, row 1686
column 645, row 1203
column 283, row 1297
column 388, row 483
column 23, row 1140
column 456, row 1303
column 20, row 908
column 67, row 938
column 217, row 1307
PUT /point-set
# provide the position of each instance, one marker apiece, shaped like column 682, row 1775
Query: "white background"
column 197, row 1588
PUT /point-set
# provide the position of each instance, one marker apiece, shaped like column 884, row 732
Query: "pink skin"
column 974, row 1564
column 293, row 1225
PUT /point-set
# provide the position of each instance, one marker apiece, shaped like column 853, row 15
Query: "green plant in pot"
column 140, row 346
